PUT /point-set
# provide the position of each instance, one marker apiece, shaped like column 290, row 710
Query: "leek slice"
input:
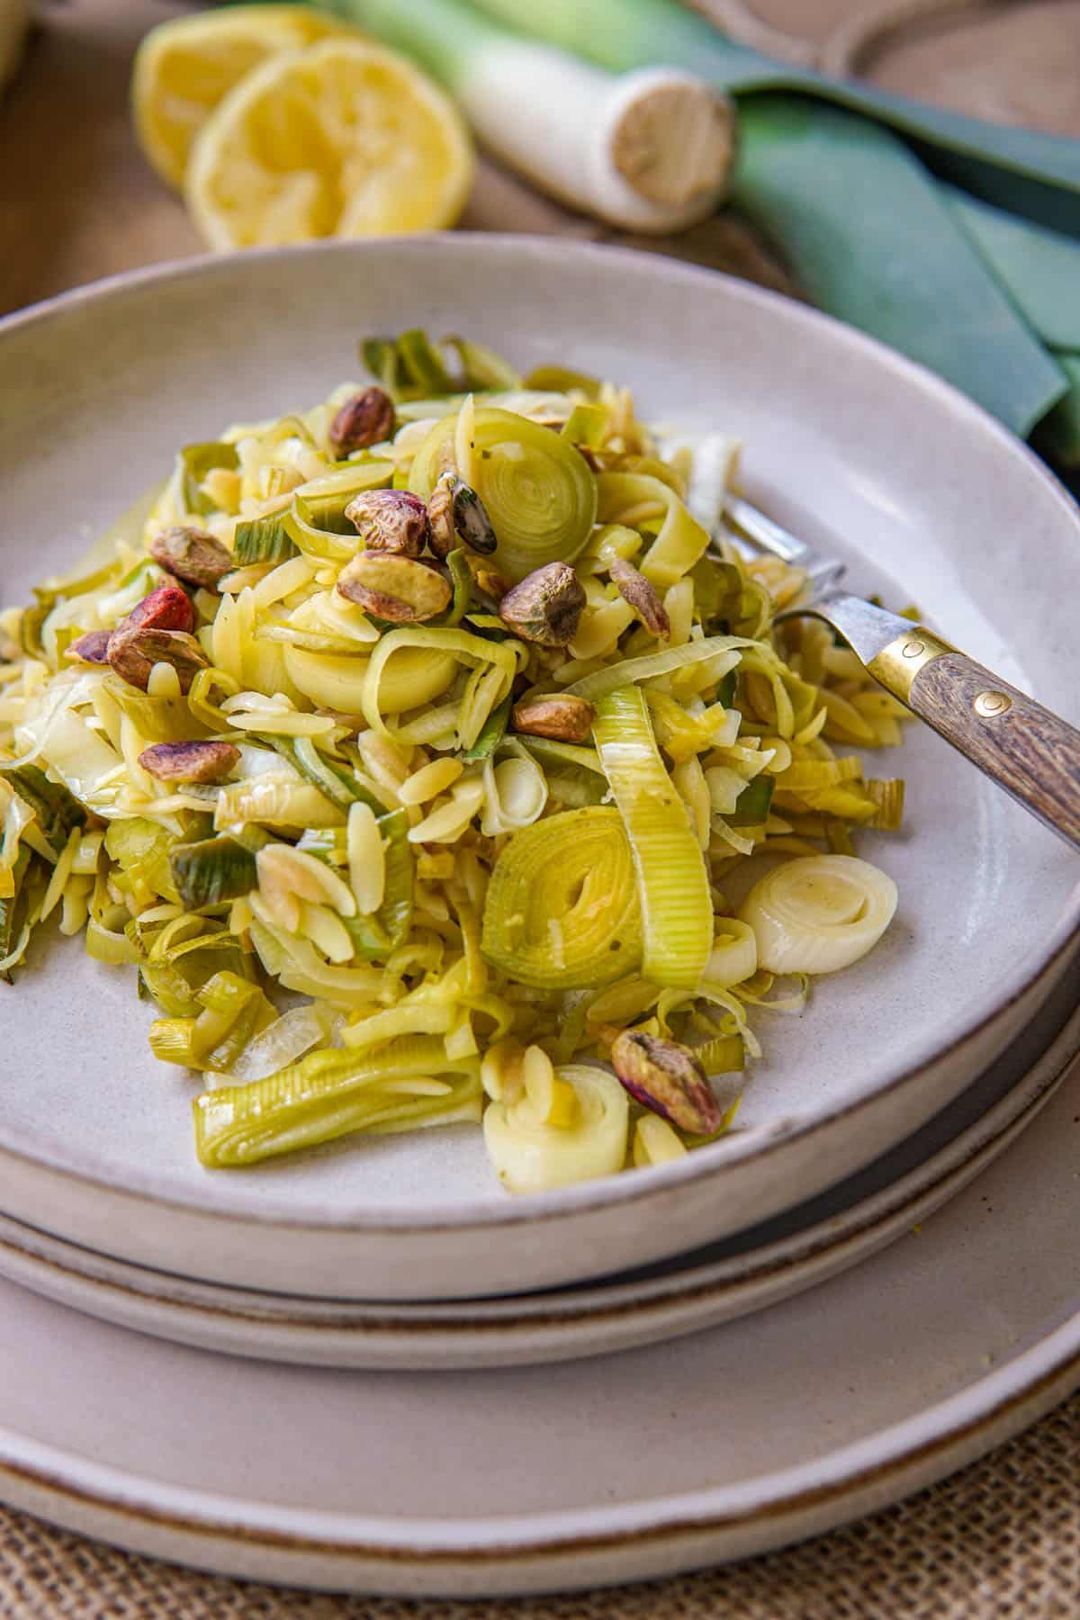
column 332, row 1093
column 375, row 936
column 211, row 871
column 492, row 732
column 561, row 909
column 263, row 540
column 681, row 542
column 57, row 810
column 411, row 367
column 539, row 492
column 819, row 913
column 194, row 462
column 530, row 1155
column 672, row 880
column 316, row 521
column 336, row 782
column 14, row 930
column 725, row 649
column 461, row 646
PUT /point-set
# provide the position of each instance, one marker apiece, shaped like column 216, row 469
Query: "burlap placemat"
column 1001, row 1541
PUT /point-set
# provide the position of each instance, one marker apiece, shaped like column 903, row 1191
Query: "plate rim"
column 877, row 1221
column 54, row 1484
column 482, row 1213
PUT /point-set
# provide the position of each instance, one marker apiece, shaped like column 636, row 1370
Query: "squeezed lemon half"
column 342, row 138
column 185, row 67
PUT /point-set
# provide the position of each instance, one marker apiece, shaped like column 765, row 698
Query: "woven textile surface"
column 1000, row 1541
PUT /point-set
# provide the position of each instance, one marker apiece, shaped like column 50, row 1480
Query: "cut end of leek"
column 819, row 913
column 673, row 140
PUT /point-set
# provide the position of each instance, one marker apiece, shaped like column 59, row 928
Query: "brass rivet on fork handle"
column 897, row 665
column 991, row 704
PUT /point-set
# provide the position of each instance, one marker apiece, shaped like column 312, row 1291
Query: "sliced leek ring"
column 561, row 909
column 530, row 1156
column 537, row 489
column 819, row 913
column 734, row 956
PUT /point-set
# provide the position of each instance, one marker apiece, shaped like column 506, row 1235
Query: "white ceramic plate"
column 719, row 1284
column 726, row 1443
column 844, row 439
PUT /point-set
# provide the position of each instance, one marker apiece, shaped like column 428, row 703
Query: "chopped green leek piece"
column 374, row 937
column 561, row 380
column 672, row 879
column 58, row 811
column 140, row 848
column 462, row 582
column 332, row 1093
column 551, row 752
column 13, row 911
column 423, row 364
column 196, row 460
column 263, row 540
column 481, row 368
column 411, row 367
column 586, row 424
column 336, row 782
column 752, row 805
column 211, row 871
column 492, row 732
column 724, row 1054
column 561, row 909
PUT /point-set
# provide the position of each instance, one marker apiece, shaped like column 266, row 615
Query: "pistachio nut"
column 192, row 555
column 190, row 761
column 564, row 718
column 546, row 606
column 457, row 513
column 134, row 650
column 668, row 1079
column 166, row 608
column 393, row 587
column 367, row 418
column 390, row 520
column 634, row 588
column 93, row 648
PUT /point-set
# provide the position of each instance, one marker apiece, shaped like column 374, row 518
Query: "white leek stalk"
column 648, row 151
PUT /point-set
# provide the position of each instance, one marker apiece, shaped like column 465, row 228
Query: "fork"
column 1025, row 748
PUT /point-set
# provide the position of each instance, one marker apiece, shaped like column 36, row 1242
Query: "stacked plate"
column 899, row 1084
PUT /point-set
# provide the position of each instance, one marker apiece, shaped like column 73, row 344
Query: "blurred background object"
column 951, row 238
column 14, row 22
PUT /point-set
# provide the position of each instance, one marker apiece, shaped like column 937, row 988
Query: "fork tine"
column 766, row 535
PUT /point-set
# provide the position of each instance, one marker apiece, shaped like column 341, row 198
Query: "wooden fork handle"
column 1029, row 751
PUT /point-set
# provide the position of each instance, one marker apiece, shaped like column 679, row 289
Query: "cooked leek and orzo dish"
column 413, row 749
